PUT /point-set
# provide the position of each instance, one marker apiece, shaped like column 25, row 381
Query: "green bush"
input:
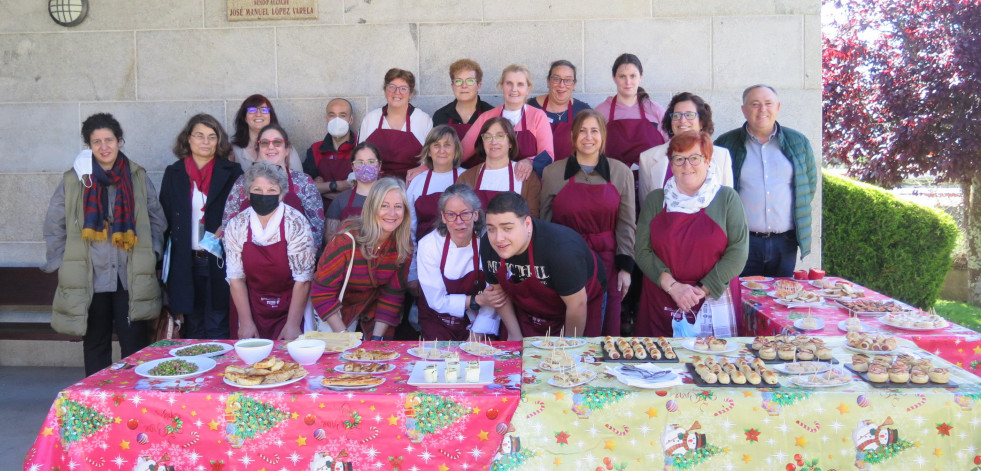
column 873, row 238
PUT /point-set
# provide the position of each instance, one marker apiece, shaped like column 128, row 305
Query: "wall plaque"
column 252, row 10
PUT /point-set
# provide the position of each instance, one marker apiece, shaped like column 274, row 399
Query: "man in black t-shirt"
column 549, row 274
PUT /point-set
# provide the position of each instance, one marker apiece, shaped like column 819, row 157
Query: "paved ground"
column 26, row 394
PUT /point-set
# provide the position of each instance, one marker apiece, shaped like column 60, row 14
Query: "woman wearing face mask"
column 367, row 165
column 255, row 113
column 104, row 233
column 631, row 116
column 686, row 112
column 328, row 161
column 193, row 195
column 559, row 106
column 499, row 172
column 397, row 129
column 270, row 258
column 274, row 146
column 377, row 247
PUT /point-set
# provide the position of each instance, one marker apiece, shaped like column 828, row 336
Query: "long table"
column 954, row 343
column 116, row 419
column 606, row 425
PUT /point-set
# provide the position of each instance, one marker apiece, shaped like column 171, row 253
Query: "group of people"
column 522, row 219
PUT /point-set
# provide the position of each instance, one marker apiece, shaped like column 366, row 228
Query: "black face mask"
column 263, row 204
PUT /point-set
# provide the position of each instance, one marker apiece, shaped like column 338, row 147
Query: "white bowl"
column 306, row 351
column 253, row 350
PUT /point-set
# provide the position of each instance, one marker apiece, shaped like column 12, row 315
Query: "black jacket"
column 175, row 197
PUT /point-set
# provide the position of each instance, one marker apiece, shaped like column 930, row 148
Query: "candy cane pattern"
column 274, row 460
column 97, row 464
column 814, row 429
column 918, row 404
column 726, row 408
column 194, row 439
column 373, row 433
column 541, row 407
column 619, row 433
column 455, row 456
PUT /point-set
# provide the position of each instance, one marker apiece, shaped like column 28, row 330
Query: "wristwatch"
column 333, row 186
column 473, row 303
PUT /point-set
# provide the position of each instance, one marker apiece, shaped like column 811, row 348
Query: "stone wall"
column 155, row 64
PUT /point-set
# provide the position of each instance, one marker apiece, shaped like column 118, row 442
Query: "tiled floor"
column 26, row 394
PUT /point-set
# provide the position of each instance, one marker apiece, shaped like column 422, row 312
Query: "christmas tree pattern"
column 591, row 398
column 246, row 417
column 429, row 413
column 692, row 458
column 78, row 421
column 511, row 461
column 886, row 452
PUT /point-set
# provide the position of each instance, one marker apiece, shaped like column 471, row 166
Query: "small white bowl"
column 253, row 350
column 306, row 351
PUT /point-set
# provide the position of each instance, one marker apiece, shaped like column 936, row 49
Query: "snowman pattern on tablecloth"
column 145, row 463
column 324, row 461
column 875, row 443
column 685, row 448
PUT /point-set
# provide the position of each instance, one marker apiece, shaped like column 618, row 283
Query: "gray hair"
column 754, row 87
column 270, row 171
column 469, row 197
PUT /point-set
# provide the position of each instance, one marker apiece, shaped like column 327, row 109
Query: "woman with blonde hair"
column 361, row 276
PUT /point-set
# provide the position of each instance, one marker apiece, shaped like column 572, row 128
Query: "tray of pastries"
column 364, row 368
column 267, row 373
column 872, row 307
column 351, row 381
column 785, row 348
column 638, row 349
column 362, row 354
column 867, row 343
column 902, row 371
column 709, row 372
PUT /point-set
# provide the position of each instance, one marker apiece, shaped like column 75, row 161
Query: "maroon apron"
column 350, row 210
column 592, row 210
column 439, row 326
column 541, row 310
column 627, row 138
column 561, row 134
column 427, row 207
column 689, row 245
column 399, row 149
column 270, row 283
column 333, row 166
column 460, row 128
column 527, row 142
column 486, row 195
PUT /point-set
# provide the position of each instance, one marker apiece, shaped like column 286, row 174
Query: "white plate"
column 890, row 324
column 800, row 380
column 204, row 364
column 417, row 378
column 661, row 381
column 799, row 324
column 225, row 348
column 731, row 346
column 766, row 279
column 344, row 356
column 793, row 304
column 414, row 351
column 575, row 359
column 328, row 351
column 782, row 367
column 573, row 343
column 591, row 375
column 348, row 388
column 340, row 369
column 745, row 285
column 842, row 326
column 467, row 346
column 264, row 386
column 897, row 351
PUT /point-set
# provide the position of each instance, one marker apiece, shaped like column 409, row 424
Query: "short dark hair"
column 560, row 63
column 241, row 137
column 704, row 112
column 508, row 129
column 181, row 147
column 508, row 202
column 100, row 121
column 273, row 127
column 366, row 145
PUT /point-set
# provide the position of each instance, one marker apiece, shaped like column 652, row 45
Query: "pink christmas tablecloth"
column 118, row 420
column 955, row 343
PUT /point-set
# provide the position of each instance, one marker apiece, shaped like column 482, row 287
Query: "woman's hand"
column 247, row 330
column 623, row 281
column 493, row 296
column 414, row 288
column 523, row 169
column 412, row 173
column 289, row 332
column 219, row 232
column 686, row 296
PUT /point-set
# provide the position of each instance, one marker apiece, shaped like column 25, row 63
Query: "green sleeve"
column 644, row 255
column 727, row 210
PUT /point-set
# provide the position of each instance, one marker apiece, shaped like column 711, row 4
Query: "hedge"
column 877, row 240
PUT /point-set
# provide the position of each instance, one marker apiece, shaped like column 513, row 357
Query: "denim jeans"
column 772, row 256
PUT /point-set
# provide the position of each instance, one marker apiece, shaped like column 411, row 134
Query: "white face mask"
column 338, row 127
column 83, row 166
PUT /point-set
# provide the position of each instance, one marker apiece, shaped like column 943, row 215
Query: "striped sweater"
column 388, row 287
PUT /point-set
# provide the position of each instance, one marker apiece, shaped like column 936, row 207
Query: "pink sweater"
column 535, row 119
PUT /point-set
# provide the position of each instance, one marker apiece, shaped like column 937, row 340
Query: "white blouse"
column 299, row 241
column 459, row 262
column 421, row 123
column 498, row 180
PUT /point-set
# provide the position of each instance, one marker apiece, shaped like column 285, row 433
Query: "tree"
column 902, row 94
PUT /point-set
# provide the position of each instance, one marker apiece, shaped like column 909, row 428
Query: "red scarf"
column 200, row 177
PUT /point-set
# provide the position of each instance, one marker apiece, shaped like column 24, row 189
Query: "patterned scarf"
column 96, row 198
column 677, row 202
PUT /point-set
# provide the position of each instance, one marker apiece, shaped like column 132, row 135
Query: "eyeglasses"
column 689, row 115
column 488, row 137
column 555, row 80
column 695, row 160
column 261, row 109
column 470, row 82
column 465, row 216
column 362, row 163
column 201, row 137
column 275, row 143
column 395, row 88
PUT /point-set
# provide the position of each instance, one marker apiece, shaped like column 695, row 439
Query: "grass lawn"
column 964, row 314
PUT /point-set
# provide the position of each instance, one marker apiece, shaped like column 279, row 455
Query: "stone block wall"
column 155, row 64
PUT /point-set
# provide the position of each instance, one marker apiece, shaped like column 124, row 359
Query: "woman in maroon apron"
column 270, row 258
column 366, row 164
column 593, row 195
column 452, row 303
column 377, row 249
column 692, row 240
column 559, row 106
column 397, row 129
column 498, row 149
column 466, row 78
column 441, row 156
column 634, row 131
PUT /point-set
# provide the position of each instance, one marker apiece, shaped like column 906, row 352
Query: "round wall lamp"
column 68, row 12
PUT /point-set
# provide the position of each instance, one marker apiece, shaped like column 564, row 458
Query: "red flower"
column 562, row 438
column 752, row 435
column 944, row 429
